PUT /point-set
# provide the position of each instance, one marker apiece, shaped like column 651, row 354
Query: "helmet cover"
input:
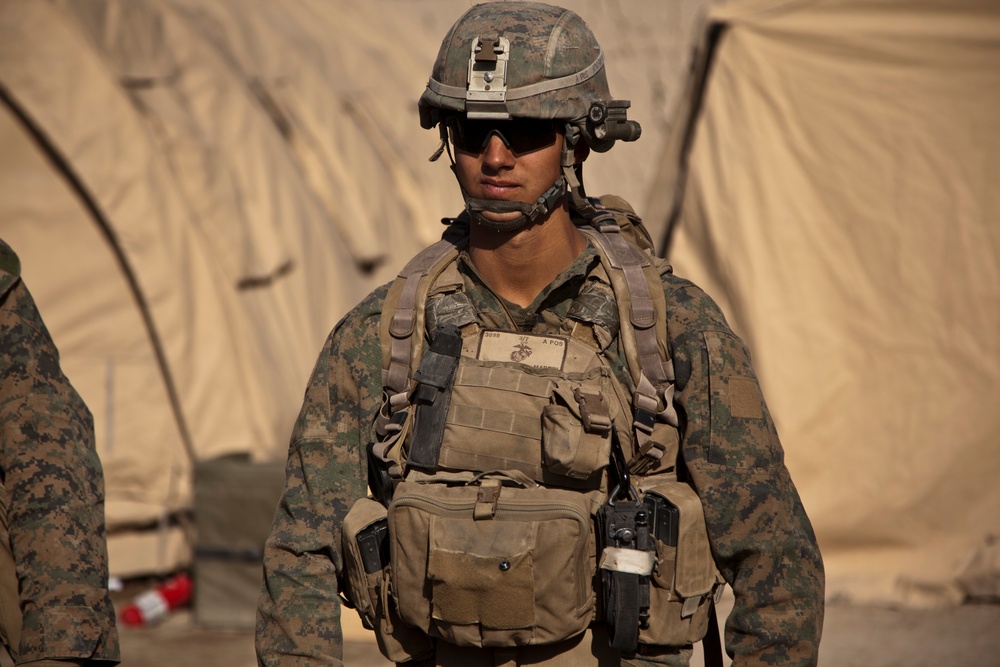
column 516, row 59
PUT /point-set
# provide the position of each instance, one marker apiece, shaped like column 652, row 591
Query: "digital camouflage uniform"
column 52, row 541
column 761, row 539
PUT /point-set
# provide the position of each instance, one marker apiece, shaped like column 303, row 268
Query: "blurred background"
column 199, row 189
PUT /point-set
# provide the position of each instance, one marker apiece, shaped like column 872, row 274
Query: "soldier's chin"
column 493, row 216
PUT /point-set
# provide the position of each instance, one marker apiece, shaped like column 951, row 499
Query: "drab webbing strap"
column 628, row 259
column 654, row 372
column 623, row 634
column 406, row 315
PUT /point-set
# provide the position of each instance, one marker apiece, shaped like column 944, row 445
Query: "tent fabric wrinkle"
column 836, row 203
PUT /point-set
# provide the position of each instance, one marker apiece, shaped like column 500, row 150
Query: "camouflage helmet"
column 525, row 60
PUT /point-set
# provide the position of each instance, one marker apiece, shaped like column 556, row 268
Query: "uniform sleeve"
column 298, row 614
column 761, row 538
column 53, row 489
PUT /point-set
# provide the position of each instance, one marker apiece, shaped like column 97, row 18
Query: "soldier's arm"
column 761, row 538
column 55, row 496
column 298, row 615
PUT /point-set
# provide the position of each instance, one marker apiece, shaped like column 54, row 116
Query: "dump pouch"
column 365, row 583
column 490, row 562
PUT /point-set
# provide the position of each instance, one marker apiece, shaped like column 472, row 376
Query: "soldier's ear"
column 580, row 152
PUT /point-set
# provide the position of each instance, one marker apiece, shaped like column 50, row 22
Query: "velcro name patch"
column 528, row 349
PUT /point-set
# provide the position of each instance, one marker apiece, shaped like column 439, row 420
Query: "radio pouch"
column 626, row 564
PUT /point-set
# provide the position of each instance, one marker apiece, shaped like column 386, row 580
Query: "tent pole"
column 76, row 184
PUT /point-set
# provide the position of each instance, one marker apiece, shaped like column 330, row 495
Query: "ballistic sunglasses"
column 520, row 135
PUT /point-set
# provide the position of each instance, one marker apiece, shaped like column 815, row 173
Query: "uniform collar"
column 561, row 291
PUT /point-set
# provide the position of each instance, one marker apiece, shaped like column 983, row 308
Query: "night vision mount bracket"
column 486, row 95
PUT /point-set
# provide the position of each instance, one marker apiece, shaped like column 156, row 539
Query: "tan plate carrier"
column 496, row 546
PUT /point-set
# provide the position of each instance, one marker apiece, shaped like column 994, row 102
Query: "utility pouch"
column 494, row 561
column 366, row 582
column 576, row 427
column 684, row 578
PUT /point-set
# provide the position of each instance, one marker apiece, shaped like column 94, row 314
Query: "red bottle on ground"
column 154, row 605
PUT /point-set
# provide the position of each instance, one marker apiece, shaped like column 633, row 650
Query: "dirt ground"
column 966, row 636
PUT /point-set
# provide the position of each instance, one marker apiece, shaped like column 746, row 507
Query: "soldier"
column 566, row 445
column 54, row 604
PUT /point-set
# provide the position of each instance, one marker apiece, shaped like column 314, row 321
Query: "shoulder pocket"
column 742, row 432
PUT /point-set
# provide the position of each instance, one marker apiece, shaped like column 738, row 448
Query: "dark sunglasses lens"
column 522, row 135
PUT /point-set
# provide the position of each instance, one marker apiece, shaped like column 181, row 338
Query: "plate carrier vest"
column 521, row 493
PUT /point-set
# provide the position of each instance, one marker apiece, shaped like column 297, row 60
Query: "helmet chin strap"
column 577, row 196
column 530, row 213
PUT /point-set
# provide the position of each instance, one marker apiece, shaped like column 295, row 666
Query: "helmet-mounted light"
column 486, row 95
column 608, row 122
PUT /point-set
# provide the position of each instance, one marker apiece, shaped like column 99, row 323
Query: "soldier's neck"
column 519, row 265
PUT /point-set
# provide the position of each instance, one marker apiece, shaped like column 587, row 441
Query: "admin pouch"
column 493, row 561
column 492, row 458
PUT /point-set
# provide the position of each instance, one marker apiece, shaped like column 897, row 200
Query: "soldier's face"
column 510, row 161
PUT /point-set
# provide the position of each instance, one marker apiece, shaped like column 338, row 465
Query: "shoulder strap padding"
column 402, row 325
column 629, row 221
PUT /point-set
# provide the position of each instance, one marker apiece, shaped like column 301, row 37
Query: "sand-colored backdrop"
column 199, row 189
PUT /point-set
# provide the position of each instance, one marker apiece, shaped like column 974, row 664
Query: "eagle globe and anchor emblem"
column 521, row 352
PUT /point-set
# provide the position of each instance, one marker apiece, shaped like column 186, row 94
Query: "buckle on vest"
column 486, row 499
column 593, row 411
column 645, row 420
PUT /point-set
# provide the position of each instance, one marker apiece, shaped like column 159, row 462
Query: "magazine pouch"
column 684, row 576
column 366, row 580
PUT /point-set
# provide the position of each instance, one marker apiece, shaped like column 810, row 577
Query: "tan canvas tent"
column 199, row 189
column 834, row 183
column 172, row 231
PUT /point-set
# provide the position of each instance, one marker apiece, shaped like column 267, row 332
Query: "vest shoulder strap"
column 636, row 278
column 635, row 274
column 402, row 324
